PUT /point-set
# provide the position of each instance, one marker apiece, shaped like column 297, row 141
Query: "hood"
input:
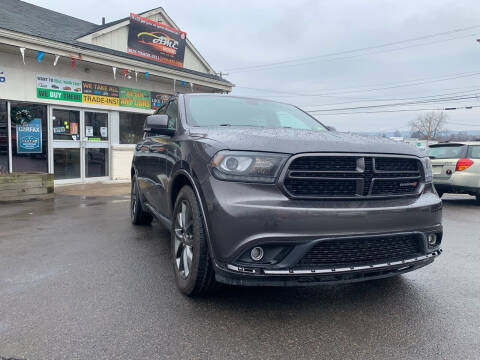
column 293, row 141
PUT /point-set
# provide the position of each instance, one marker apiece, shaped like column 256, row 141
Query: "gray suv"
column 257, row 192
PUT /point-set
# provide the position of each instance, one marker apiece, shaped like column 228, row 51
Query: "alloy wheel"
column 183, row 239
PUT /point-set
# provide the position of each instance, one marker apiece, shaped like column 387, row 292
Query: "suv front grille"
column 362, row 251
column 320, row 176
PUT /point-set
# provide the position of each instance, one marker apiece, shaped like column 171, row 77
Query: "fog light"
column 257, row 253
column 432, row 239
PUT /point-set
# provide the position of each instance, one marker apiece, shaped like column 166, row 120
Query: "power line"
column 332, row 92
column 314, row 58
column 396, row 111
column 397, row 99
column 427, row 101
column 367, row 53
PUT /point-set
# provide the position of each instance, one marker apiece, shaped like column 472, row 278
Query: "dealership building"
column 74, row 94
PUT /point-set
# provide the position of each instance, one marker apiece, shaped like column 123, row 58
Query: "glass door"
column 96, row 144
column 66, row 135
column 80, row 145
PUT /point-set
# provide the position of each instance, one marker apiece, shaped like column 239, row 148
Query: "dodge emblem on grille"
column 414, row 183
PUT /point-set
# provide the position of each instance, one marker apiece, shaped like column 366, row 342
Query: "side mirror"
column 158, row 124
column 331, row 128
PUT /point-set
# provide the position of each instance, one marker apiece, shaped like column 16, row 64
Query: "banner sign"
column 56, row 88
column 135, row 98
column 156, row 41
column 100, row 94
column 49, row 87
column 29, row 137
column 158, row 99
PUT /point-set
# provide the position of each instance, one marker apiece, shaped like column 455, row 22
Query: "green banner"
column 58, row 88
column 135, row 98
column 64, row 89
column 59, row 95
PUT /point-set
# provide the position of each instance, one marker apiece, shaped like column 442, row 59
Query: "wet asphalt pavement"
column 78, row 281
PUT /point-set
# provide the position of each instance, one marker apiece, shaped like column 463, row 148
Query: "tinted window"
column 223, row 110
column 474, row 151
column 161, row 109
column 131, row 127
column 454, row 151
column 172, row 112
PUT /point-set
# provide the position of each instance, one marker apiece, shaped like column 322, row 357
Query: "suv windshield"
column 233, row 111
column 453, row 151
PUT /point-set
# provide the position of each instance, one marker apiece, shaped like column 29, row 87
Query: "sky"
column 240, row 37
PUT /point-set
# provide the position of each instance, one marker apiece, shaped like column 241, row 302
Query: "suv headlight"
column 247, row 166
column 427, row 169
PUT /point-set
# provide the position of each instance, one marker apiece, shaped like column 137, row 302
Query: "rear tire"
column 137, row 214
column 191, row 262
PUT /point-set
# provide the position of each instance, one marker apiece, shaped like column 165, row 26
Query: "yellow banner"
column 100, row 100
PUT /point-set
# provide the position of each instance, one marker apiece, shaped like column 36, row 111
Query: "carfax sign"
column 156, row 41
column 57, row 88
column 29, row 137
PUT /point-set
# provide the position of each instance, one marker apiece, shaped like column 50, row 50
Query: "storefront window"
column 66, row 125
column 96, row 126
column 3, row 137
column 29, row 137
column 131, row 127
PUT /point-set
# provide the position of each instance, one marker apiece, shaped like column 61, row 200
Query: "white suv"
column 456, row 167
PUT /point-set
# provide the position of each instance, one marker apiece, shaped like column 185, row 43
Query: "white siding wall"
column 20, row 81
column 121, row 161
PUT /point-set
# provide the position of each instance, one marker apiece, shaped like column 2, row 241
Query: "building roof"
column 26, row 18
column 34, row 20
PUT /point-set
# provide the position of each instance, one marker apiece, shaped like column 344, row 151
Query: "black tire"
column 191, row 262
column 137, row 214
column 477, row 197
column 440, row 193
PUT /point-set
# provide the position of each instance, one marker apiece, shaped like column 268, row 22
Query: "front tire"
column 138, row 216
column 191, row 262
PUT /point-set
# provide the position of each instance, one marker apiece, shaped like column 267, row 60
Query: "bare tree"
column 428, row 126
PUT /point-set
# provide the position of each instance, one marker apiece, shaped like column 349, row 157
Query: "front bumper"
column 241, row 216
column 240, row 276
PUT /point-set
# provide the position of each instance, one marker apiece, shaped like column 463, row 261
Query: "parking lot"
column 78, row 281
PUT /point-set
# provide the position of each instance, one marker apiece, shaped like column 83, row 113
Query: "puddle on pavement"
column 84, row 205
